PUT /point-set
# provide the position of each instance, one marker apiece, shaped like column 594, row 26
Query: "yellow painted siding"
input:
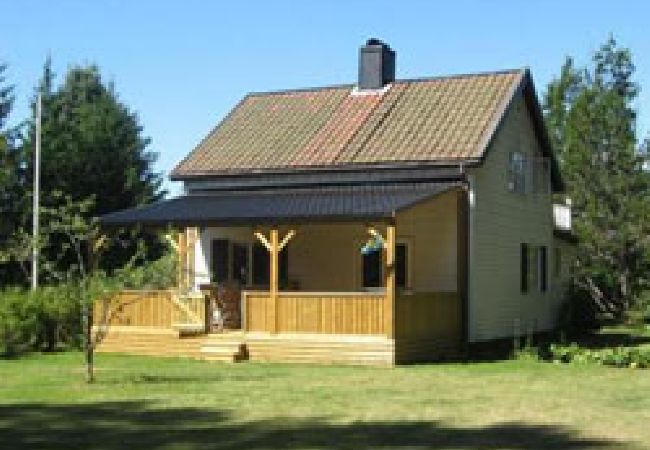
column 500, row 221
column 326, row 257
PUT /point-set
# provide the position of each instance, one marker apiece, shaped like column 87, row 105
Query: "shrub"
column 18, row 322
column 38, row 320
column 616, row 357
column 51, row 316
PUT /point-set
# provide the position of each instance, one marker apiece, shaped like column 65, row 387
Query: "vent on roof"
column 376, row 65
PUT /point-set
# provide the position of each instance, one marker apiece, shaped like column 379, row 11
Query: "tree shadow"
column 602, row 340
column 139, row 424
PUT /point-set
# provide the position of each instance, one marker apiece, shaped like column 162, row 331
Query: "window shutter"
column 524, row 268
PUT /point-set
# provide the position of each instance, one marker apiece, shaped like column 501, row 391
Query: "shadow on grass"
column 182, row 379
column 140, row 425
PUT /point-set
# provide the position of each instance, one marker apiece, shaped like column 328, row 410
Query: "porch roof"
column 329, row 204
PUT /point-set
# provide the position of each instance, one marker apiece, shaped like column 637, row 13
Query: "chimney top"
column 376, row 65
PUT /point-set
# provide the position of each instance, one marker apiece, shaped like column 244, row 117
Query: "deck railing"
column 153, row 309
column 315, row 312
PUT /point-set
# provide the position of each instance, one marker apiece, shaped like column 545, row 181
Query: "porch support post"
column 389, row 275
column 273, row 279
column 182, row 260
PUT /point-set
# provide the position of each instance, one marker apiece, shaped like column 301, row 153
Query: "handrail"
column 175, row 299
column 378, row 293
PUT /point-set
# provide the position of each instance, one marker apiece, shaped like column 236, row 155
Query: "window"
column 220, row 258
column 542, row 268
column 261, row 265
column 533, row 268
column 517, row 173
column 372, row 268
column 239, row 267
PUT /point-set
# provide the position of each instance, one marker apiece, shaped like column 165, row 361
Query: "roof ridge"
column 398, row 80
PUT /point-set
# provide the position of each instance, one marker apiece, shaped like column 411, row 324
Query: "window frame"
column 516, row 179
column 404, row 241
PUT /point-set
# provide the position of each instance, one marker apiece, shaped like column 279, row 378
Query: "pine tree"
column 592, row 122
column 92, row 148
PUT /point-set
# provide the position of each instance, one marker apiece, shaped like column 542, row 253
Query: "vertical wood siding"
column 428, row 326
column 152, row 309
column 307, row 312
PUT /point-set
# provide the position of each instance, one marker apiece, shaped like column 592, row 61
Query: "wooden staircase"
column 236, row 346
column 226, row 347
column 150, row 342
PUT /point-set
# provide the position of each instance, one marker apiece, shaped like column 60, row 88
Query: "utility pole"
column 36, row 197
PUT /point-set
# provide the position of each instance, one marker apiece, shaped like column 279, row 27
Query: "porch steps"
column 224, row 348
column 321, row 349
column 152, row 343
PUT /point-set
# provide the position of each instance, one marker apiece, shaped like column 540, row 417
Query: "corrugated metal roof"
column 435, row 119
column 343, row 203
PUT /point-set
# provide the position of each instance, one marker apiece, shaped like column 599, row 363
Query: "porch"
column 306, row 292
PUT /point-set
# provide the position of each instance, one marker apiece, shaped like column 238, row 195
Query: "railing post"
column 273, row 280
column 389, row 275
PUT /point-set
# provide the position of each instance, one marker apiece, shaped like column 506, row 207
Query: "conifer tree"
column 592, row 124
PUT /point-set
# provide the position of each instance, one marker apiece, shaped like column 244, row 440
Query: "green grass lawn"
column 154, row 403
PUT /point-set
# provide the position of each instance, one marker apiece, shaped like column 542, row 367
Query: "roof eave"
column 185, row 176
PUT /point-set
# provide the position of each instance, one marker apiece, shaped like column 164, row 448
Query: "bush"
column 18, row 322
column 51, row 316
column 38, row 320
column 616, row 357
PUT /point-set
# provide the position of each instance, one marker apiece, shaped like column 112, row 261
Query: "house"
column 386, row 221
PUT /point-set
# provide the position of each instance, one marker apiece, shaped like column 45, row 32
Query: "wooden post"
column 191, row 238
column 389, row 276
column 182, row 261
column 273, row 279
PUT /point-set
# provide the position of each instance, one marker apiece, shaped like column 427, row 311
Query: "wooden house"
column 382, row 222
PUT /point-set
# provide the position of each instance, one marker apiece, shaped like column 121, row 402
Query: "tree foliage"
column 592, row 123
column 92, row 148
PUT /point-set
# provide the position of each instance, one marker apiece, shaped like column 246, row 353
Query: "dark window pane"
column 372, row 263
column 260, row 265
column 284, row 266
column 220, row 254
column 240, row 263
column 542, row 269
column 401, row 265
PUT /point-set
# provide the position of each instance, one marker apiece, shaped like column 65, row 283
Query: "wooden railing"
column 152, row 309
column 189, row 310
column 315, row 312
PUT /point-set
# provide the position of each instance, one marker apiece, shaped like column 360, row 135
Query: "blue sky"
column 181, row 65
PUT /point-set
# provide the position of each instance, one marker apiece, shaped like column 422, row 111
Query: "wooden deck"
column 340, row 328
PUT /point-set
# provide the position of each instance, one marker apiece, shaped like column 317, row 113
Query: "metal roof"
column 325, row 204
